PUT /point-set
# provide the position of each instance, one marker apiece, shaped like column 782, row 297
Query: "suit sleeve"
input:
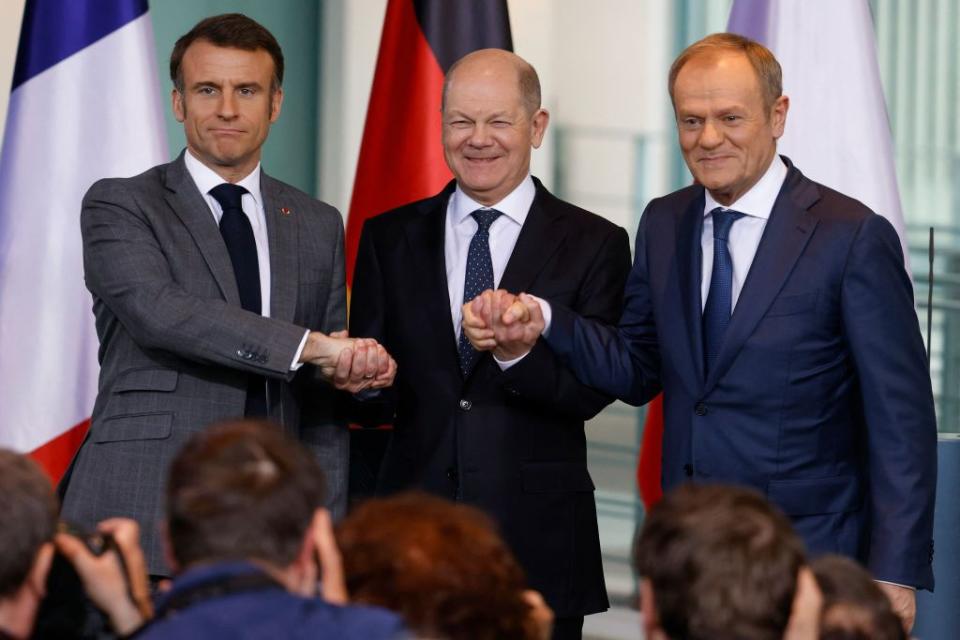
column 542, row 377
column 884, row 337
column 624, row 360
column 127, row 269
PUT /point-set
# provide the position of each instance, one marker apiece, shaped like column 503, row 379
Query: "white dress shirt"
column 756, row 205
column 460, row 227
column 252, row 202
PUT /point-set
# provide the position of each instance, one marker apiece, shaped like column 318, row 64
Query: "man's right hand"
column 351, row 364
column 103, row 577
column 501, row 322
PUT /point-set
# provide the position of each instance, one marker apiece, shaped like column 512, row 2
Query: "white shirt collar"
column 206, row 178
column 759, row 200
column 515, row 206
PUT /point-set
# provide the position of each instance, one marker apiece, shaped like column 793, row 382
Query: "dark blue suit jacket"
column 820, row 398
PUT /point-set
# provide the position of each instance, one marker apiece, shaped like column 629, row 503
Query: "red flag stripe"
column 649, row 465
column 55, row 455
column 401, row 157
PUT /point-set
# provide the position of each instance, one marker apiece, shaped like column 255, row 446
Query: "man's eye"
column 731, row 118
column 247, row 91
column 206, row 91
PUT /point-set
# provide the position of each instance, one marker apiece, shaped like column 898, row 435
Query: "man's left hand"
column 904, row 601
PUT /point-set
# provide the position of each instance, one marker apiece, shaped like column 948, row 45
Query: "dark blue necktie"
column 238, row 236
column 716, row 313
column 241, row 245
column 479, row 277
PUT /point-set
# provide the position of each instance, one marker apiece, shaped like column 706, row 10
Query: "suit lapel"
column 282, row 239
column 189, row 205
column 429, row 274
column 689, row 271
column 784, row 239
column 540, row 237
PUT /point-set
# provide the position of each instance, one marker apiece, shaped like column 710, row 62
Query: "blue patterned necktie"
column 716, row 313
column 479, row 277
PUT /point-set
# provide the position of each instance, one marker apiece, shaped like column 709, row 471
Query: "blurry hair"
column 722, row 562
column 764, row 63
column 854, row 607
column 241, row 490
column 230, row 30
column 441, row 566
column 527, row 78
column 29, row 511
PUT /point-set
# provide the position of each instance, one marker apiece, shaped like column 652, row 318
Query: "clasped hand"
column 506, row 324
column 351, row 364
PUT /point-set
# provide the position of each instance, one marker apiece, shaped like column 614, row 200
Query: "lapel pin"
column 284, row 211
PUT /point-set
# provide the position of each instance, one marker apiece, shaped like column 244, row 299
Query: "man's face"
column 727, row 136
column 226, row 106
column 487, row 131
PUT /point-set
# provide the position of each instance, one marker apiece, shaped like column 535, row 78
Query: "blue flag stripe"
column 54, row 30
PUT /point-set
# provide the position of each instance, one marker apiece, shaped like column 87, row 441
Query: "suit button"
column 511, row 391
column 465, row 404
column 700, row 409
column 688, row 470
column 240, row 353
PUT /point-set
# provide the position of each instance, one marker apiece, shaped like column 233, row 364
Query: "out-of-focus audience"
column 30, row 546
column 249, row 542
column 255, row 556
column 854, row 607
column 718, row 562
column 442, row 566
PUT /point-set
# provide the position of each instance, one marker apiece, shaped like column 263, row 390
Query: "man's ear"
column 37, row 578
column 168, row 555
column 648, row 611
column 179, row 108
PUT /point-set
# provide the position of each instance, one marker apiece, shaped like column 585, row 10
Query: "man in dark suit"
column 777, row 317
column 508, row 439
column 213, row 284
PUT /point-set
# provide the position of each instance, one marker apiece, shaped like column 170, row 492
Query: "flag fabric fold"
column 85, row 104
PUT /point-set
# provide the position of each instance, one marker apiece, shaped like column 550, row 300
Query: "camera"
column 65, row 611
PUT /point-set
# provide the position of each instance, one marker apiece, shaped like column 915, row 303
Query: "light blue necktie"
column 716, row 313
column 479, row 277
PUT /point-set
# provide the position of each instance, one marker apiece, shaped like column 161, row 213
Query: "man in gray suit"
column 216, row 290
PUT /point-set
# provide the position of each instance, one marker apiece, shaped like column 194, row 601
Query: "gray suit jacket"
column 176, row 348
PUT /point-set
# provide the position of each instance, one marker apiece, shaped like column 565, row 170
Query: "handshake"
column 350, row 364
column 501, row 322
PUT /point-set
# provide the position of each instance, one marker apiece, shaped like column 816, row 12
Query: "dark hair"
column 764, row 63
column 29, row 511
column 441, row 566
column 241, row 490
column 527, row 78
column 854, row 607
column 722, row 563
column 233, row 30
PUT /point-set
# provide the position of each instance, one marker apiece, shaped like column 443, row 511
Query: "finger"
column 359, row 367
column 72, row 548
column 341, row 374
column 339, row 334
column 516, row 312
column 126, row 533
column 487, row 308
column 386, row 379
column 383, row 360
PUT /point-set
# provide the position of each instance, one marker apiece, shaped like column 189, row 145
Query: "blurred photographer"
column 28, row 545
column 250, row 542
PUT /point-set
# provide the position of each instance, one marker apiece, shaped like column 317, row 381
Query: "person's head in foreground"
column 854, row 607
column 717, row 562
column 442, row 566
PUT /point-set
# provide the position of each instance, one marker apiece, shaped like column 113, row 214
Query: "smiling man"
column 215, row 289
column 508, row 441
column 777, row 317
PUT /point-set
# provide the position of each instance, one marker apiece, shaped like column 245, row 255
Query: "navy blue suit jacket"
column 820, row 397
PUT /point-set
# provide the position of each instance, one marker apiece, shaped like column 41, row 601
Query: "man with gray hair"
column 508, row 439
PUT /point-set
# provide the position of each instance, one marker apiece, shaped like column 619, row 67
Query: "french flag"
column 85, row 104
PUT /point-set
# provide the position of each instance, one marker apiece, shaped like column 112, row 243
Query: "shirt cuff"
column 897, row 584
column 296, row 364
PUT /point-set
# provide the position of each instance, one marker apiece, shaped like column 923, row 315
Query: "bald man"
column 505, row 436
